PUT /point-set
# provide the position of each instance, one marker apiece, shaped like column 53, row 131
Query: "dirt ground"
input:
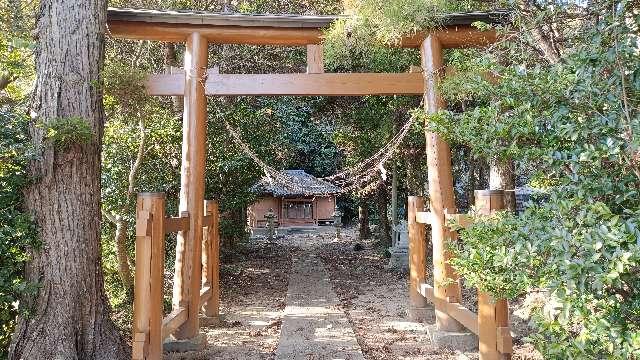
column 374, row 299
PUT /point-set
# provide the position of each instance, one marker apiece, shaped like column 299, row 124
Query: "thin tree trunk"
column 394, row 195
column 169, row 61
column 502, row 177
column 471, row 162
column 69, row 312
column 363, row 220
column 383, row 205
column 122, row 255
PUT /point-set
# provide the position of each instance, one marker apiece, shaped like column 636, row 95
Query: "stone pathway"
column 313, row 326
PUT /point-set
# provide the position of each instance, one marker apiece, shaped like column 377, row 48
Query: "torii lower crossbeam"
column 327, row 84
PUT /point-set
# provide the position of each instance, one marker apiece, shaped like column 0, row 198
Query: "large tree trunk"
column 502, row 177
column 70, row 312
column 363, row 220
column 383, row 222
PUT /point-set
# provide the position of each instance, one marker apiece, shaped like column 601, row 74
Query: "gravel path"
column 314, row 326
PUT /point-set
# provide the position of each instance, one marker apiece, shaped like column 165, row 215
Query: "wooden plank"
column 157, row 276
column 487, row 329
column 315, row 59
column 142, row 287
column 327, row 84
column 417, row 258
column 464, row 220
column 138, row 346
column 505, row 341
column 175, row 224
column 423, row 217
column 450, row 37
column 187, row 279
column 464, row 316
column 441, row 192
column 426, row 290
column 172, row 321
column 147, row 303
column 211, row 261
column 255, row 35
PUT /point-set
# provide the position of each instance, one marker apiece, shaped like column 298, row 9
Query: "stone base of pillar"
column 197, row 343
column 421, row 314
column 399, row 260
column 461, row 341
column 212, row 321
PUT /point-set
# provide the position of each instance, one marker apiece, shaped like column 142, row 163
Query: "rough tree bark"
column 70, row 312
column 502, row 177
column 382, row 201
column 363, row 220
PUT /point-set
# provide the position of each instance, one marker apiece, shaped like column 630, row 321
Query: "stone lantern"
column 337, row 221
column 271, row 224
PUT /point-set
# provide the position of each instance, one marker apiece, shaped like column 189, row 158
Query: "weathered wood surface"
column 149, row 276
column 211, row 262
column 452, row 37
column 417, row 253
column 326, row 84
column 175, row 224
column 493, row 314
column 315, row 59
column 173, row 320
column 187, row 279
column 440, row 189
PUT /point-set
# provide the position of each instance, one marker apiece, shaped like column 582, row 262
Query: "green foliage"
column 17, row 231
column 124, row 90
column 67, row 131
column 493, row 246
column 577, row 121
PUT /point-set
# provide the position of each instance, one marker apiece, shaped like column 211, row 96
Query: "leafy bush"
column 65, row 132
column 17, row 232
column 493, row 246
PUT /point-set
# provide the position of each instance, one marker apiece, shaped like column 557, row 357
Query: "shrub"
column 17, row 231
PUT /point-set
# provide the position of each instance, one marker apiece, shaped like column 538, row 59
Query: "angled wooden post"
column 493, row 314
column 187, row 281
column 148, row 297
column 418, row 304
column 211, row 261
column 440, row 190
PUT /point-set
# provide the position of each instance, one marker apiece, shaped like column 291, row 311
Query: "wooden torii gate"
column 195, row 83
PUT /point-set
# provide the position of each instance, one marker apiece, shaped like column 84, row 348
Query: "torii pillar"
column 441, row 195
column 188, row 271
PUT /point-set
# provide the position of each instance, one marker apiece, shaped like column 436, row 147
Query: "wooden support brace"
column 423, row 217
column 175, row 224
column 417, row 256
column 149, row 277
column 173, row 320
column 463, row 220
column 493, row 315
column 505, row 341
column 211, row 261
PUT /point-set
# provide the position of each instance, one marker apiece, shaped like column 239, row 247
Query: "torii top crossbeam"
column 287, row 30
